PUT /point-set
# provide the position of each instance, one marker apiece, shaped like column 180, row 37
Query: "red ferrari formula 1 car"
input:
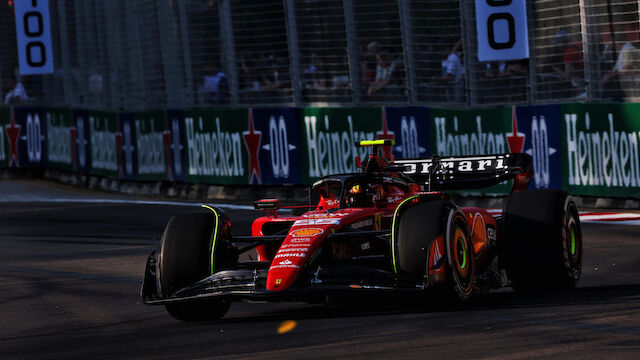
column 387, row 229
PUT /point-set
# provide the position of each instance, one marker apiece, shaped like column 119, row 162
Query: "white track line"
column 609, row 216
column 598, row 217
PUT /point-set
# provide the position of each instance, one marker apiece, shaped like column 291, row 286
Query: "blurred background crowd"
column 143, row 54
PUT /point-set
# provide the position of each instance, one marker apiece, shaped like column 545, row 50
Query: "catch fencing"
column 146, row 54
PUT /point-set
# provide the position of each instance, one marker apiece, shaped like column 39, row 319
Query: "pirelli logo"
column 457, row 164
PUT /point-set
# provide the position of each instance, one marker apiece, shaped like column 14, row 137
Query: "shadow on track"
column 358, row 306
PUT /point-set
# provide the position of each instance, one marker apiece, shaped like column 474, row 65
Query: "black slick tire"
column 185, row 258
column 541, row 242
column 418, row 225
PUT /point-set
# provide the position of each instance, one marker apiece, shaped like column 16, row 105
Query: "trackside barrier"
column 587, row 149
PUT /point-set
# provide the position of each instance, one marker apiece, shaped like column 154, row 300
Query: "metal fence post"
column 65, row 51
column 83, row 53
column 469, row 61
column 190, row 96
column 533, row 70
column 586, row 52
column 294, row 51
column 136, row 74
column 169, row 52
column 226, row 33
column 352, row 49
column 408, row 50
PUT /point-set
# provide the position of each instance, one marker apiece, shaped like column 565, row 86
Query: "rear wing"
column 469, row 172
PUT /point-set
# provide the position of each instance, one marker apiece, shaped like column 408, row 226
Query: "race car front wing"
column 248, row 282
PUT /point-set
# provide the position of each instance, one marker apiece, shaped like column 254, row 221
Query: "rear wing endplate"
column 469, row 172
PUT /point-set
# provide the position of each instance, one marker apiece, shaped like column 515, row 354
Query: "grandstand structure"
column 153, row 54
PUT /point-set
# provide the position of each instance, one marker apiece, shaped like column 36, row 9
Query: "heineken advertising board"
column 28, row 135
column 329, row 136
column 587, row 149
column 470, row 132
column 81, row 155
column 144, row 148
column 473, row 132
column 540, row 129
column 279, row 145
column 105, row 143
column 176, row 154
column 409, row 126
column 61, row 136
column 5, row 124
column 601, row 149
column 217, row 143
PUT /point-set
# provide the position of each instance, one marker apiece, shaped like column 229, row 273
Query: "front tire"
column 418, row 227
column 186, row 257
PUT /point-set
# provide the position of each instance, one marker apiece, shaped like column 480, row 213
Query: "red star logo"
column 385, row 134
column 166, row 136
column 13, row 133
column 252, row 143
column 515, row 140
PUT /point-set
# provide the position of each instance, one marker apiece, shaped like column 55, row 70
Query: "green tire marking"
column 215, row 236
column 572, row 234
column 464, row 253
column 393, row 232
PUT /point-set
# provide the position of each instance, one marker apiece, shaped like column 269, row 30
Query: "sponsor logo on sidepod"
column 307, row 232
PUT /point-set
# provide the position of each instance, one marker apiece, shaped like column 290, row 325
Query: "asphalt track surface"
column 70, row 273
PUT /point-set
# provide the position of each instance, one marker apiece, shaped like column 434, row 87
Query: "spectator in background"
column 313, row 73
column 314, row 80
column 627, row 67
column 515, row 74
column 340, row 82
column 17, row 94
column 275, row 79
column 386, row 73
column 95, row 82
column 215, row 87
column 369, row 65
column 428, row 63
column 452, row 72
column 610, row 84
column 248, row 80
column 552, row 81
column 513, row 68
column 572, row 70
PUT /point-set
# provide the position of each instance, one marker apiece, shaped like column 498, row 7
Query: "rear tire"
column 185, row 258
column 460, row 255
column 541, row 245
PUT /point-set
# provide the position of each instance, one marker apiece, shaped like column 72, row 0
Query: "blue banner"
column 28, row 135
column 278, row 153
column 80, row 141
column 127, row 150
column 541, row 128
column 175, row 138
column 409, row 126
